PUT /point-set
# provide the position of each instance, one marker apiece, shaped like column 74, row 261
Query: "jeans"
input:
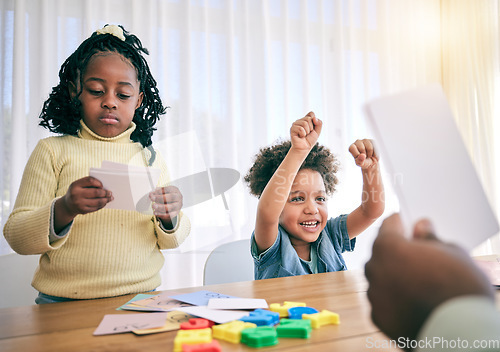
column 43, row 299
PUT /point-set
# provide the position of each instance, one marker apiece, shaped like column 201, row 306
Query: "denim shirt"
column 281, row 259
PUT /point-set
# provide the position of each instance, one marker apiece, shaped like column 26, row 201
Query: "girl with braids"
column 104, row 108
column 293, row 234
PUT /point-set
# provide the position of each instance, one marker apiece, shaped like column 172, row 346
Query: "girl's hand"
column 364, row 153
column 85, row 195
column 167, row 203
column 305, row 132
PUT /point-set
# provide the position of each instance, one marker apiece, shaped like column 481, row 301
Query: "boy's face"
column 110, row 94
column 305, row 213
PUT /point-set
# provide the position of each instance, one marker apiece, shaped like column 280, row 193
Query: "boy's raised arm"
column 304, row 133
column 372, row 197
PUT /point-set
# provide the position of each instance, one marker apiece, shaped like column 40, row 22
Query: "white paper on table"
column 431, row 170
column 119, row 323
column 199, row 298
column 218, row 316
column 237, row 303
column 129, row 184
column 162, row 301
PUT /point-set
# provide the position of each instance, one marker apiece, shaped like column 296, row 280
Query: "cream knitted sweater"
column 105, row 253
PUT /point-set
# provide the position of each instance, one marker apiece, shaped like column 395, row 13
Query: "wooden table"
column 69, row 326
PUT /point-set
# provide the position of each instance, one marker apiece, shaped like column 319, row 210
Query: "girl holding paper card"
column 105, row 108
column 293, row 234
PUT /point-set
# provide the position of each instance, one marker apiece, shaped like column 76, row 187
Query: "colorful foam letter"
column 213, row 346
column 262, row 317
column 296, row 312
column 324, row 318
column 260, row 336
column 231, row 331
column 192, row 337
column 283, row 309
column 294, row 328
column 196, row 323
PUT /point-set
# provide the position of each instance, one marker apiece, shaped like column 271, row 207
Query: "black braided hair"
column 62, row 114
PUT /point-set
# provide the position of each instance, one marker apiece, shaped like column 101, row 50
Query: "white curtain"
column 471, row 77
column 236, row 74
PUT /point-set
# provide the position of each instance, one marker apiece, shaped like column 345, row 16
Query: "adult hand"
column 408, row 279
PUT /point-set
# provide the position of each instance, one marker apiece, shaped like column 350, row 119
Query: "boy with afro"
column 293, row 235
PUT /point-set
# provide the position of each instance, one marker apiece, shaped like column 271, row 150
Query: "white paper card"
column 237, row 303
column 216, row 315
column 433, row 175
column 129, row 184
column 119, row 323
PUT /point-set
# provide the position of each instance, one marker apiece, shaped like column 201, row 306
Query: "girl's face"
column 305, row 213
column 110, row 94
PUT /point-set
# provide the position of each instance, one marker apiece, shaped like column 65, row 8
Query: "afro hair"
column 268, row 159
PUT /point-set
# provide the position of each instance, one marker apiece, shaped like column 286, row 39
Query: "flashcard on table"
column 162, row 302
column 199, row 298
column 218, row 316
column 119, row 323
column 131, row 305
column 432, row 173
column 237, row 303
column 139, row 308
column 173, row 322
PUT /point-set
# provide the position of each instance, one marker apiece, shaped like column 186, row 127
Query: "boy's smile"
column 305, row 213
column 110, row 94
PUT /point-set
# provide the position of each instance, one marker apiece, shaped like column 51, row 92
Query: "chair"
column 16, row 273
column 229, row 262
